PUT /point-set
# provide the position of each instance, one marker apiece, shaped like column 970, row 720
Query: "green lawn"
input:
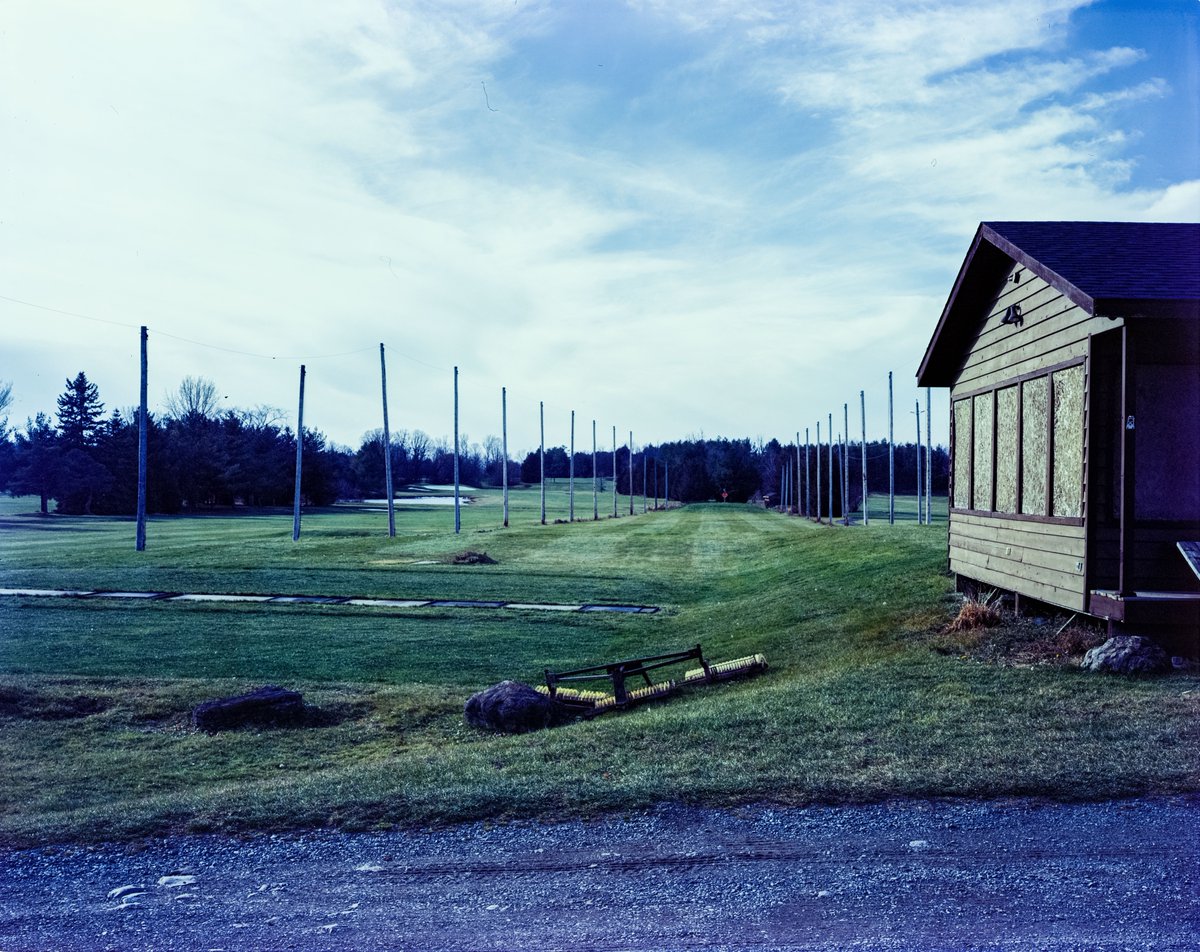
column 94, row 695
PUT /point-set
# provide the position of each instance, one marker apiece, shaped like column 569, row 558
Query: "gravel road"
column 921, row 875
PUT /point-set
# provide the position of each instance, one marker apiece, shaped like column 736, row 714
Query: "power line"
column 200, row 343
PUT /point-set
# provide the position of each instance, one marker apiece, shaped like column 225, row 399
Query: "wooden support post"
column 504, row 447
column 457, row 508
column 571, row 474
column 595, row 483
column 667, row 483
column 387, row 448
column 143, row 424
column 891, row 456
column 656, row 482
column 1125, row 571
column 542, row 454
column 299, row 460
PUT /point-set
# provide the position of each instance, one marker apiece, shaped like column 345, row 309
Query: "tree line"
column 201, row 456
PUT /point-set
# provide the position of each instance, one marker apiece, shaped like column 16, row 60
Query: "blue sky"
column 722, row 218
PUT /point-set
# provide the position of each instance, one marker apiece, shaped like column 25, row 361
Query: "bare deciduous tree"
column 196, row 397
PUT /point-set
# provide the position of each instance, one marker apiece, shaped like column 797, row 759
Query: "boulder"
column 511, row 708
column 269, row 706
column 1127, row 654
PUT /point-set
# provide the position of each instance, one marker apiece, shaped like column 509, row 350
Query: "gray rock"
column 269, row 706
column 1127, row 654
column 512, row 708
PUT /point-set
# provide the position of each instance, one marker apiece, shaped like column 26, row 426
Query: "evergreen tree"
column 79, row 413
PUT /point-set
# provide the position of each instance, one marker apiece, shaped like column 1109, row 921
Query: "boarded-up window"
column 1034, row 399
column 1006, row 449
column 982, row 496
column 1068, row 442
column 962, row 454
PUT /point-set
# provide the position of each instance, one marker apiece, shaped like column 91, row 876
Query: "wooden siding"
column 1039, row 559
column 1044, row 560
column 1054, row 330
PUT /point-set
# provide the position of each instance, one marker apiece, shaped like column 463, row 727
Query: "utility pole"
column 457, row 510
column 504, row 447
column 818, row 449
column 631, row 472
column 143, row 423
column 807, row 480
column 595, row 484
column 387, row 448
column 928, row 457
column 831, row 469
column 920, row 513
column 614, row 436
column 862, row 398
column 845, row 464
column 891, row 456
column 571, row 474
column 542, row 454
column 299, row 460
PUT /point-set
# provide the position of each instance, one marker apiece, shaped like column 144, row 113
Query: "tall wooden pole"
column 920, row 509
column 667, row 483
column 299, row 459
column 504, row 446
column 387, row 448
column 928, row 458
column 643, row 481
column 862, row 399
column 595, row 483
column 571, row 474
column 143, row 424
column 457, row 507
column 818, row 449
column 614, row 436
column 846, row 464
column 656, row 482
column 542, row 454
column 807, row 479
column 831, row 469
column 799, row 476
column 891, row 456
column 631, row 472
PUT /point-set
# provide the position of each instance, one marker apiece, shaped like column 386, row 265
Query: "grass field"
column 95, row 695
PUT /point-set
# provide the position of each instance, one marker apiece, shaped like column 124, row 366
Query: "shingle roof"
column 1115, row 269
column 1109, row 259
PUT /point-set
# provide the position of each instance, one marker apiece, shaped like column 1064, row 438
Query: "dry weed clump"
column 977, row 613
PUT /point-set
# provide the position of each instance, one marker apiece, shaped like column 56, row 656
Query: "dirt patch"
column 1015, row 641
column 473, row 558
column 23, row 704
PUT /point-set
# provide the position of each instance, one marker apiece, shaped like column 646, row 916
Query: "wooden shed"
column 1072, row 354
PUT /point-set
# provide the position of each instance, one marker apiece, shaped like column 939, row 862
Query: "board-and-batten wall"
column 1042, row 559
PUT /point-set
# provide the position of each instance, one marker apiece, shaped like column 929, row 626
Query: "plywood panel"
column 1067, row 477
column 981, row 495
column 1006, row 449
column 962, row 454
column 1035, row 395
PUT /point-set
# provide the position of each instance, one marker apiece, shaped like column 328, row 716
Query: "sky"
column 682, row 219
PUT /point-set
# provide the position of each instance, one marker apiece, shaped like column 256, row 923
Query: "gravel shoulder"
column 928, row 875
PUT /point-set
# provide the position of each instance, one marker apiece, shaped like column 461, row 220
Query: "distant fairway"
column 94, row 694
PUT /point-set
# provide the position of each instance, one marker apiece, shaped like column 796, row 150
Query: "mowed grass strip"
column 94, row 695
